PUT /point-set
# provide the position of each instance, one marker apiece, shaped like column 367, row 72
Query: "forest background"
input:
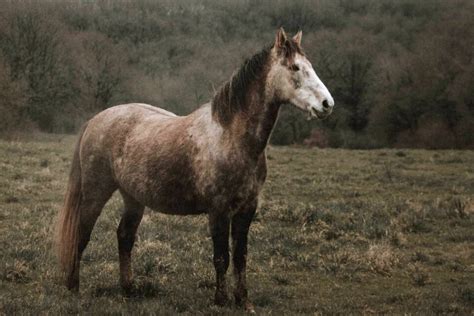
column 401, row 71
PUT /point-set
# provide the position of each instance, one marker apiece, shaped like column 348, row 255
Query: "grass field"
column 338, row 231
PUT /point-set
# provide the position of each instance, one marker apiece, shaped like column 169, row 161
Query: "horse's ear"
column 297, row 37
column 280, row 38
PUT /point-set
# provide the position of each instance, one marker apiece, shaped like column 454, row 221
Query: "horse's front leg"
column 240, row 228
column 219, row 226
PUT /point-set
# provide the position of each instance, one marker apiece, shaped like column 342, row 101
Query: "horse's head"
column 292, row 79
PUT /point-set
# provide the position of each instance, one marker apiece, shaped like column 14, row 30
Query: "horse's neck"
column 257, row 122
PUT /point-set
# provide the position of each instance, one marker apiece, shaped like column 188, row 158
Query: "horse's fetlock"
column 240, row 295
column 72, row 284
column 126, row 285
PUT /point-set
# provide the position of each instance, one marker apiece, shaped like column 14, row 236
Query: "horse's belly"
column 176, row 206
column 165, row 197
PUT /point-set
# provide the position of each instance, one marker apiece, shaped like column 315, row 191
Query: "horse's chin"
column 318, row 116
column 312, row 114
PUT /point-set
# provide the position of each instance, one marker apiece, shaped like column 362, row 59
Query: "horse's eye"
column 294, row 68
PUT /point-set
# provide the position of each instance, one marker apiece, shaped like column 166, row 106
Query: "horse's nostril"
column 325, row 104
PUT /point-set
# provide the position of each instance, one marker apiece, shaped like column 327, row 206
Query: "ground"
column 337, row 231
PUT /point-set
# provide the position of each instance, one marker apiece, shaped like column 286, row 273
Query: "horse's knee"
column 125, row 239
column 221, row 251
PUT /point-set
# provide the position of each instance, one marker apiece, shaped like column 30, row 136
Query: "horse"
column 211, row 161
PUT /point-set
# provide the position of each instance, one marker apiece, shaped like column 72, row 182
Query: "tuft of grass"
column 44, row 163
column 382, row 258
column 467, row 295
column 11, row 199
column 17, row 273
column 419, row 275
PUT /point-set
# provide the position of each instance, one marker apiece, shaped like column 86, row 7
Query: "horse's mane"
column 230, row 98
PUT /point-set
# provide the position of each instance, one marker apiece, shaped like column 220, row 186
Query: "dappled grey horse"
column 211, row 161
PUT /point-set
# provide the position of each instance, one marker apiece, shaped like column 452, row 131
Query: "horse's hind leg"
column 90, row 208
column 126, row 232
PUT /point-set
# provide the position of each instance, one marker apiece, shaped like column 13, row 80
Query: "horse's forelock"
column 289, row 50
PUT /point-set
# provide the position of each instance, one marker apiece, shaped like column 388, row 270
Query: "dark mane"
column 230, row 98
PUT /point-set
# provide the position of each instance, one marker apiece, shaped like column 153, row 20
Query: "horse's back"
column 110, row 128
column 121, row 119
column 147, row 107
column 129, row 112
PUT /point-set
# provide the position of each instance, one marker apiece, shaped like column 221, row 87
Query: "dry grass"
column 338, row 231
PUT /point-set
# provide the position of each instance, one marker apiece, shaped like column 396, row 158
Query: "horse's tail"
column 67, row 233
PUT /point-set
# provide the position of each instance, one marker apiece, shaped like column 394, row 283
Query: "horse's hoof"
column 221, row 299
column 127, row 288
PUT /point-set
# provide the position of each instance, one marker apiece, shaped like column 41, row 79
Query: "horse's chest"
column 229, row 185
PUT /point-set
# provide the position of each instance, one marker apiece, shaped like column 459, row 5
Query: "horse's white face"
column 294, row 80
column 309, row 94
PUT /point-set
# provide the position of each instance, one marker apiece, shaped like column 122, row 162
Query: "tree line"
column 401, row 71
